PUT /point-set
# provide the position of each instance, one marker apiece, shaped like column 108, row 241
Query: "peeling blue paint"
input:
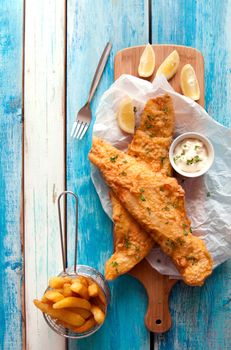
column 201, row 316
column 122, row 22
column 11, row 13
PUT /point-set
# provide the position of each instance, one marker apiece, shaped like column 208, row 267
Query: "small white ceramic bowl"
column 192, row 135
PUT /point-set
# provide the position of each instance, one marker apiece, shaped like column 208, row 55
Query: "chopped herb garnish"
column 175, row 205
column 167, row 222
column 208, row 194
column 149, row 210
column 176, row 158
column 150, row 117
column 165, row 109
column 195, row 159
column 179, row 241
column 185, row 232
column 134, row 109
column 192, row 259
column 166, row 208
column 125, row 161
column 185, row 146
column 115, row 265
column 123, row 173
column 113, row 159
column 152, row 135
column 141, row 195
column 162, row 160
column 183, row 153
column 170, row 243
column 127, row 243
column 147, row 125
column 190, row 229
column 190, row 161
column 196, row 147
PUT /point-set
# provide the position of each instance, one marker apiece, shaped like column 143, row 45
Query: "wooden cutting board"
column 158, row 287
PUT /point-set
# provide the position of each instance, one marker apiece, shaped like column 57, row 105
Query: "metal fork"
column 84, row 115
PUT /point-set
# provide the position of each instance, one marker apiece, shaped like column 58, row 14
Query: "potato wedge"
column 90, row 281
column 66, row 325
column 67, row 292
column 45, row 300
column 96, row 301
column 81, row 289
column 98, row 314
column 82, row 312
column 89, row 324
column 81, row 279
column 72, row 302
column 58, row 282
column 102, row 297
column 93, row 290
column 53, row 296
column 62, row 315
column 60, row 290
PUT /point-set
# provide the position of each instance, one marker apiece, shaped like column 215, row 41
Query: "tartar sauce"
column 190, row 155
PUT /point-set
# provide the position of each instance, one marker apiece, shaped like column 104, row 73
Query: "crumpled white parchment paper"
column 208, row 198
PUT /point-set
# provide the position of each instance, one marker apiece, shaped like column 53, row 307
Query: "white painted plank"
column 44, row 157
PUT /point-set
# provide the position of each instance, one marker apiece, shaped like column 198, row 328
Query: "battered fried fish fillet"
column 131, row 242
column 152, row 139
column 150, row 144
column 157, row 204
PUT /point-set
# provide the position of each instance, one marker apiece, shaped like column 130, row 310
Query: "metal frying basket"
column 82, row 270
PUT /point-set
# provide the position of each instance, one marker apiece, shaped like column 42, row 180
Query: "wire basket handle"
column 64, row 252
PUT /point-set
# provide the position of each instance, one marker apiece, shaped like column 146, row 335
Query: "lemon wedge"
column 126, row 116
column 170, row 65
column 147, row 62
column 189, row 83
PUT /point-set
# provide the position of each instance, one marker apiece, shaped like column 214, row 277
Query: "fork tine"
column 84, row 131
column 80, row 131
column 73, row 128
column 77, row 128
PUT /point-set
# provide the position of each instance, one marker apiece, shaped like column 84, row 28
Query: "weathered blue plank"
column 11, row 12
column 90, row 25
column 201, row 316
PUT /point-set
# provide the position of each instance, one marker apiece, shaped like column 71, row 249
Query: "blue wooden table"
column 48, row 53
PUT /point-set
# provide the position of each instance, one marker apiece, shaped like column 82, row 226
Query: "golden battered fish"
column 157, row 204
column 152, row 139
column 131, row 242
column 149, row 145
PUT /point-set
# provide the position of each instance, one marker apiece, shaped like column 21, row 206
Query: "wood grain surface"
column 84, row 47
column 127, row 62
column 44, row 158
column 11, row 269
column 201, row 316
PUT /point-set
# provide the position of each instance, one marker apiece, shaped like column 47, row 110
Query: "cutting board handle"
column 158, row 288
